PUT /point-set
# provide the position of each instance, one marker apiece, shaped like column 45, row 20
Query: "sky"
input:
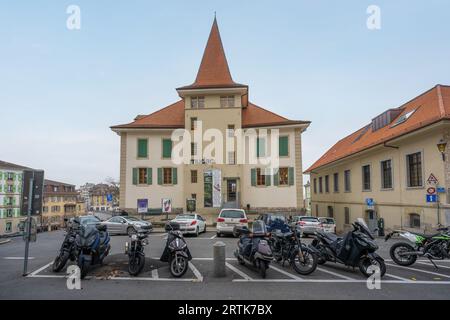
column 61, row 89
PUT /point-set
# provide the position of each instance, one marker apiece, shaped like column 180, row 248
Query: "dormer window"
column 227, row 101
column 197, row 102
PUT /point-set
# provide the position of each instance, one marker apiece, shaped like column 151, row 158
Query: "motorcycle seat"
column 428, row 236
column 331, row 236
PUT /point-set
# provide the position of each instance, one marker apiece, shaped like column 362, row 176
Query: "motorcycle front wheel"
column 60, row 261
column 178, row 265
column 366, row 262
column 136, row 264
column 399, row 259
column 304, row 266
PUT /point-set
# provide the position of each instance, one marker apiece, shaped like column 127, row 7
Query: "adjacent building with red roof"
column 383, row 170
column 213, row 103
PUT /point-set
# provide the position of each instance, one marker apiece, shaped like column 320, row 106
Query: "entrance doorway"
column 231, row 190
column 372, row 220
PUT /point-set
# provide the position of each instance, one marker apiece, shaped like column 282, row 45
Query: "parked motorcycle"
column 433, row 247
column 68, row 248
column 287, row 246
column 135, row 251
column 356, row 248
column 93, row 246
column 176, row 251
column 253, row 247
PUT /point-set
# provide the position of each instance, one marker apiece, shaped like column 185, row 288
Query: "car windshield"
column 89, row 220
column 131, row 219
column 235, row 214
column 327, row 220
column 186, row 216
column 309, row 219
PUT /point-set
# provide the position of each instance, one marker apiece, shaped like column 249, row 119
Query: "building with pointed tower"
column 213, row 103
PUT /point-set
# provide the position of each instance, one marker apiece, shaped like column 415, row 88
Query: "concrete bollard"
column 219, row 259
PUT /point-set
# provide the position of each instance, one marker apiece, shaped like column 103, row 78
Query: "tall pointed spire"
column 214, row 66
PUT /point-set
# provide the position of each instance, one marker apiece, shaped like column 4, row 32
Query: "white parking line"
column 335, row 274
column 213, row 237
column 40, row 269
column 396, row 277
column 341, row 281
column 419, row 270
column 155, row 274
column 196, row 272
column 430, row 264
column 153, row 279
column 290, row 275
column 239, row 272
column 17, row 258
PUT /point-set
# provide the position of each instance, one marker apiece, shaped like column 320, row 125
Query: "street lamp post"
column 442, row 145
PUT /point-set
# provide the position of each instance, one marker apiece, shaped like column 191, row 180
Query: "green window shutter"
column 149, row 176
column 253, row 177
column 0, row 188
column 167, row 148
column 174, row 176
column 14, row 188
column 268, row 176
column 160, row 176
column 276, row 178
column 283, row 146
column 291, row 176
column 260, row 147
column 135, row 176
column 142, row 148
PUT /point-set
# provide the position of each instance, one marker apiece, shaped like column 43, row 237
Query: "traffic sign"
column 432, row 197
column 109, row 197
column 431, row 190
column 432, row 179
column 440, row 190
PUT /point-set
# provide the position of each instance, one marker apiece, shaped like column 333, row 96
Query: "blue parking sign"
column 431, row 198
column 109, row 197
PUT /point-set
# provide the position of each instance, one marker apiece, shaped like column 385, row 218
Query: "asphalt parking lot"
column 111, row 281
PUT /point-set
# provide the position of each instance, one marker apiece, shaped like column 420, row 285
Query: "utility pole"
column 28, row 226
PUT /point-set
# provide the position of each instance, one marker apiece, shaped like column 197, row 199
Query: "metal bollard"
column 219, row 259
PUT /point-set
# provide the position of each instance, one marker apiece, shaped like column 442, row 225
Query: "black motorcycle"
column 356, row 249
column 176, row 251
column 135, row 251
column 253, row 247
column 93, row 246
column 68, row 248
column 287, row 246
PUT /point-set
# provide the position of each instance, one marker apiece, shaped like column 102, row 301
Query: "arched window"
column 414, row 220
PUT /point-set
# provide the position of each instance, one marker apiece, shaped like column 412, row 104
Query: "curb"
column 5, row 241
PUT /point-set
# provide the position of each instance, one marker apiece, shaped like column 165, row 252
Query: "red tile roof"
column 214, row 71
column 172, row 117
column 430, row 107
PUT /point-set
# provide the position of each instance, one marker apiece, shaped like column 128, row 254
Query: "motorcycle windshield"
column 259, row 228
column 363, row 227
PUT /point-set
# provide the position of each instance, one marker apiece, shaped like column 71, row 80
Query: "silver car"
column 127, row 225
column 307, row 225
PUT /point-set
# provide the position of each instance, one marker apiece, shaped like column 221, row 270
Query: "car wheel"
column 204, row 229
column 197, row 231
column 218, row 234
column 131, row 231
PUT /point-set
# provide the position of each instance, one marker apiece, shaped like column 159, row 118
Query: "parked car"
column 127, row 225
column 328, row 224
column 275, row 221
column 191, row 223
column 229, row 219
column 88, row 220
column 268, row 218
column 307, row 225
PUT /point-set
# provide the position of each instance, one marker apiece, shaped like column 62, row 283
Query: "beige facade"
column 400, row 205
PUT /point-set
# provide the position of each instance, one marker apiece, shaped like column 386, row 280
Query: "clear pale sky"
column 60, row 90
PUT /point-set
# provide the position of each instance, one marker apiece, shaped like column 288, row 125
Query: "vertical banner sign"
column 142, row 206
column 217, row 188
column 166, row 205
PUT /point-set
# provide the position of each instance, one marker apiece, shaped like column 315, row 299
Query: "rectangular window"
column 167, row 148
column 10, row 176
column 283, row 145
column 347, row 181
column 414, row 163
column 366, row 177
column 197, row 102
column 193, row 149
column 320, row 185
column 194, row 196
column 260, row 147
column 9, row 213
column 8, row 227
column 317, row 210
column 327, row 184
column 227, row 101
column 230, row 131
column 142, row 148
column 193, row 123
column 260, row 177
column 347, row 215
column 142, row 176
column 386, row 174
column 193, row 176
column 283, row 176
column 231, row 157
column 315, row 185
column 167, row 175
column 336, row 182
